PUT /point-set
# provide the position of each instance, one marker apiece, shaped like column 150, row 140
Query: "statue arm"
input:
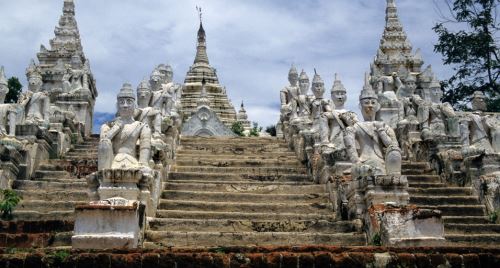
column 350, row 144
column 464, row 132
column 387, row 136
column 448, row 110
column 283, row 98
column 110, row 133
column 145, row 146
column 46, row 108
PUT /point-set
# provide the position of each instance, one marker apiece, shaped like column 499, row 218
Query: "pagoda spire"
column 66, row 32
column 394, row 38
column 201, row 48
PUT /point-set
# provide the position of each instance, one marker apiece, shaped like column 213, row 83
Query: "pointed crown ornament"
column 33, row 70
column 293, row 71
column 3, row 79
column 367, row 92
column 317, row 78
column 126, row 92
column 337, row 85
column 144, row 85
column 303, row 76
column 435, row 83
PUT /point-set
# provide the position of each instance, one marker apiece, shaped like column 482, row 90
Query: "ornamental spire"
column 394, row 38
column 67, row 34
column 201, row 49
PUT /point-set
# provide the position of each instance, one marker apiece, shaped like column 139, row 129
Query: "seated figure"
column 161, row 96
column 434, row 116
column 119, row 139
column 372, row 145
column 320, row 107
column 286, row 95
column 303, row 100
column 146, row 113
column 8, row 112
column 36, row 103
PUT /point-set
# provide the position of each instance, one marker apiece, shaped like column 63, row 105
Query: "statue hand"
column 378, row 125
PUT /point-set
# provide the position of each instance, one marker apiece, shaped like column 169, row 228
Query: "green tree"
column 15, row 88
column 468, row 41
column 255, row 131
column 271, row 130
column 237, row 128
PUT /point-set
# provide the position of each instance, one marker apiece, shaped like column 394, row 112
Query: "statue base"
column 109, row 224
column 405, row 226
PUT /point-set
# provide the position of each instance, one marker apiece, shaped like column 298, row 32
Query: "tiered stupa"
column 66, row 71
column 243, row 118
column 201, row 69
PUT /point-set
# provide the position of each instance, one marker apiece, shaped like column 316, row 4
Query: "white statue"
column 303, row 99
column 119, row 139
column 161, row 96
column 320, row 108
column 4, row 85
column 146, row 113
column 372, row 146
column 287, row 93
column 36, row 103
column 8, row 112
column 433, row 116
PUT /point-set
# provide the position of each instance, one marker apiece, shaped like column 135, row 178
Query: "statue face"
column 339, row 98
column 293, row 79
column 369, row 108
column 126, row 107
column 318, row 90
column 34, row 83
column 410, row 87
column 436, row 94
column 304, row 86
column 143, row 98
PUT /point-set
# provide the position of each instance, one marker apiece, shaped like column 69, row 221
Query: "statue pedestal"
column 367, row 191
column 109, row 224
column 406, row 226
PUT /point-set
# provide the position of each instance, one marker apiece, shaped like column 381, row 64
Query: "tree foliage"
column 271, row 130
column 15, row 88
column 237, row 128
column 8, row 203
column 468, row 41
column 255, row 131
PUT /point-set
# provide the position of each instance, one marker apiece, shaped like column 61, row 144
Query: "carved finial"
column 200, row 14
column 391, row 3
column 367, row 92
column 242, row 105
column 337, row 85
column 126, row 92
column 3, row 79
column 317, row 78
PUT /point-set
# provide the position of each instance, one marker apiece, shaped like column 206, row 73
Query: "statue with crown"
column 125, row 165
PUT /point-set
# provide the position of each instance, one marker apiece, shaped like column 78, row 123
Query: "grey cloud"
column 251, row 43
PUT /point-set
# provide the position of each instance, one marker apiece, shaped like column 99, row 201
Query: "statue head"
column 144, row 94
column 76, row 62
column 155, row 80
column 293, row 76
column 338, row 93
column 410, row 84
column 4, row 85
column 126, row 101
column 435, row 92
column 34, row 75
column 303, row 83
column 478, row 101
column 318, row 86
column 368, row 101
column 166, row 72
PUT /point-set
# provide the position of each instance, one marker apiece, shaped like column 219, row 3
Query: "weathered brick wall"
column 260, row 257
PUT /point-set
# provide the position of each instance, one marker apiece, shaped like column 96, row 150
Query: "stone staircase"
column 243, row 192
column 465, row 219
column 45, row 216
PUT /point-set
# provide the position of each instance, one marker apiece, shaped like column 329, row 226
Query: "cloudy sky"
column 251, row 43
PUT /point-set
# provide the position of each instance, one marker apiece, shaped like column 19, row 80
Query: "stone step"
column 90, row 150
column 415, row 165
column 280, row 216
column 50, row 166
column 251, row 150
column 458, row 210
column 423, row 178
column 242, row 170
column 426, row 185
column 443, row 200
column 259, row 157
column 466, row 219
column 25, row 215
column 244, row 187
column 212, row 239
column 78, row 156
column 36, row 227
column 474, row 240
column 407, row 171
column 441, row 191
column 229, row 177
column 167, row 204
column 230, row 154
column 40, row 173
column 460, row 228
column 44, row 206
column 39, row 240
column 224, row 225
column 237, row 142
column 238, row 163
column 70, row 179
column 243, row 197
column 35, row 185
column 43, row 194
